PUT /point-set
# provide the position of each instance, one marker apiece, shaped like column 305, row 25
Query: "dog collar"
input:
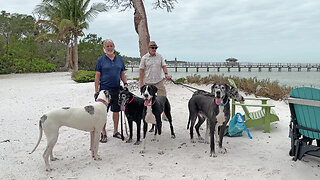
column 103, row 101
column 153, row 103
column 224, row 103
column 131, row 100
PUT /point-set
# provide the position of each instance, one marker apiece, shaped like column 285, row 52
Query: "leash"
column 122, row 137
column 178, row 83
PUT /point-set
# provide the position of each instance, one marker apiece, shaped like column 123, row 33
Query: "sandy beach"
column 26, row 97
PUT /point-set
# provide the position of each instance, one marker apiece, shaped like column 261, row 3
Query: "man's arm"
column 97, row 81
column 165, row 71
column 141, row 77
column 124, row 79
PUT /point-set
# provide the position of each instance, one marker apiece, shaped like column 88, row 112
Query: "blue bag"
column 236, row 126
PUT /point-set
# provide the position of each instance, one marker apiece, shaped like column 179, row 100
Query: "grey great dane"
column 89, row 118
column 215, row 107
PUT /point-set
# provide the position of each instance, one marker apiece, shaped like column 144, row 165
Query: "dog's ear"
column 142, row 89
column 121, row 88
column 228, row 87
column 212, row 88
column 155, row 89
column 106, row 93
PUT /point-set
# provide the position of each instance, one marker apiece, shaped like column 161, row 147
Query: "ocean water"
column 284, row 78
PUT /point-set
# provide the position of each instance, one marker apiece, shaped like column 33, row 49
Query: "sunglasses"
column 154, row 47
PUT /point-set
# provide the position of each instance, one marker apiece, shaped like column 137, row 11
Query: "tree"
column 16, row 26
column 140, row 17
column 52, row 35
column 73, row 16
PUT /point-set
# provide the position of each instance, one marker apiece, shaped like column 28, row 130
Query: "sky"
column 285, row 31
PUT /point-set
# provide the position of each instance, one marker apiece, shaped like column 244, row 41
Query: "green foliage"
column 181, row 80
column 263, row 88
column 15, row 65
column 83, row 76
column 90, row 49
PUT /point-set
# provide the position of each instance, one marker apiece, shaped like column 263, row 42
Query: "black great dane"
column 215, row 107
column 133, row 108
column 155, row 106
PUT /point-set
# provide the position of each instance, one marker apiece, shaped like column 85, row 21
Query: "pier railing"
column 239, row 66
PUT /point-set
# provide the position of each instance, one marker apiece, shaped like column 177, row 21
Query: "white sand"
column 26, row 97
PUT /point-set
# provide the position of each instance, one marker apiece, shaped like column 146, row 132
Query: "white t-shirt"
column 152, row 66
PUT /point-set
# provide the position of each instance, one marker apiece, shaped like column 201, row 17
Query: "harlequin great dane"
column 89, row 118
column 215, row 107
column 133, row 108
column 155, row 106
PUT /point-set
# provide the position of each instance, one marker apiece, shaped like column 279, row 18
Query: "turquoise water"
column 285, row 78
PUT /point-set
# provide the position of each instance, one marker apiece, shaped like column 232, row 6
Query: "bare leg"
column 115, row 117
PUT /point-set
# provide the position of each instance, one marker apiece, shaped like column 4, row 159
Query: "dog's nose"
column 145, row 95
column 218, row 94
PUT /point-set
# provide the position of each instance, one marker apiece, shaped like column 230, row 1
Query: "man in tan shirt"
column 150, row 67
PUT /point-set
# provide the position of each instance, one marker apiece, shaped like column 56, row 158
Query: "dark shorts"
column 114, row 101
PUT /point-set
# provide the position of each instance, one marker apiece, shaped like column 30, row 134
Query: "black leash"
column 178, row 83
column 122, row 137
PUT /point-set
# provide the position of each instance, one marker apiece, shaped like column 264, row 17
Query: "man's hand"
column 167, row 76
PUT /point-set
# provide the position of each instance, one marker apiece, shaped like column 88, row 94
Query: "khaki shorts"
column 161, row 88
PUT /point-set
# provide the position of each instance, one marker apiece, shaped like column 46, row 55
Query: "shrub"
column 15, row 65
column 181, row 80
column 83, row 76
column 254, row 86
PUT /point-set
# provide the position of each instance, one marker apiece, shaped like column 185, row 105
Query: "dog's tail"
column 40, row 136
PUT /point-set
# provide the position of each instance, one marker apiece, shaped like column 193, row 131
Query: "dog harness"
column 103, row 101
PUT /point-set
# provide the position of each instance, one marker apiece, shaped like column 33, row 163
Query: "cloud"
column 203, row 30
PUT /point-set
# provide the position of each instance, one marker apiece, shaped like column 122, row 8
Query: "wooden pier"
column 307, row 67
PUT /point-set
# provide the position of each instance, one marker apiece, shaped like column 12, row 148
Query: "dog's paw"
column 222, row 150
column 97, row 158
column 153, row 139
column 137, row 143
column 213, row 155
column 173, row 136
column 142, row 151
column 54, row 159
column 49, row 169
column 129, row 141
column 161, row 152
column 193, row 141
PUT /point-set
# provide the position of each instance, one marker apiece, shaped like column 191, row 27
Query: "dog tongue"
column 146, row 102
column 123, row 108
column 218, row 101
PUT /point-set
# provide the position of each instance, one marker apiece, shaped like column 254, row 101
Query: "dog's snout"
column 218, row 94
column 145, row 95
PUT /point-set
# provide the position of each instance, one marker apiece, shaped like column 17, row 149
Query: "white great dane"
column 89, row 118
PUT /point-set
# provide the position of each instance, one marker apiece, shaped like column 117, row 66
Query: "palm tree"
column 52, row 36
column 73, row 17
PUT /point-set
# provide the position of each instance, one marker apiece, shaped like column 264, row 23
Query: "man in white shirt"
column 150, row 67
